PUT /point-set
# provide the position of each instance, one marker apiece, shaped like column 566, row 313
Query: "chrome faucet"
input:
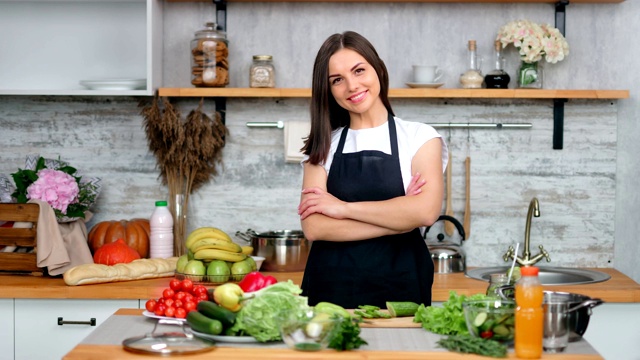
column 526, row 259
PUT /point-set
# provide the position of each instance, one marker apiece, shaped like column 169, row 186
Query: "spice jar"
column 262, row 73
column 210, row 57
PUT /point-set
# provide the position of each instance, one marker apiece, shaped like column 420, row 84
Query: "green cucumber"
column 402, row 308
column 201, row 323
column 215, row 311
column 480, row 319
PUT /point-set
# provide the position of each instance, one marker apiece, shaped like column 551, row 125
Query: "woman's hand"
column 318, row 201
column 415, row 185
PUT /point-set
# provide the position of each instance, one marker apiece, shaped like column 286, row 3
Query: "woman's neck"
column 374, row 117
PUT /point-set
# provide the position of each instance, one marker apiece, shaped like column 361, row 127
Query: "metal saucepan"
column 283, row 250
column 579, row 308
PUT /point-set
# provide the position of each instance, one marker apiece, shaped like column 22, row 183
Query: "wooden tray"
column 13, row 262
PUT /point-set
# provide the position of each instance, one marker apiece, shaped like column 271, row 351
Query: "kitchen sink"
column 547, row 275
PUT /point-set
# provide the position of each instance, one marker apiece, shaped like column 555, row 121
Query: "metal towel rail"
column 280, row 125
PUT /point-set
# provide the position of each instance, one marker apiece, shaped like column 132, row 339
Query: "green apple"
column 218, row 271
column 241, row 268
column 182, row 262
column 195, row 267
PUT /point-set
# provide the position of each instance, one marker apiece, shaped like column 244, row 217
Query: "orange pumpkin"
column 116, row 252
column 134, row 232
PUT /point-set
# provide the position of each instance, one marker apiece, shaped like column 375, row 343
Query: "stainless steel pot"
column 579, row 308
column 283, row 250
column 447, row 256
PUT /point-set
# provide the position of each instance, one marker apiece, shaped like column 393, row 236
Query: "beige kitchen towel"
column 60, row 246
column 294, row 134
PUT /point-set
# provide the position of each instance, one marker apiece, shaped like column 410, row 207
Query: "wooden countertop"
column 619, row 289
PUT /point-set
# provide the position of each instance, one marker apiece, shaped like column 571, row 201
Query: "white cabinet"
column 6, row 329
column 614, row 331
column 49, row 47
column 38, row 335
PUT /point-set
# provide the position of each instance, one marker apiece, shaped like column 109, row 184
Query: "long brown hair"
column 326, row 114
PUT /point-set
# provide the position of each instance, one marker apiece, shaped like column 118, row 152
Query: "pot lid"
column 168, row 344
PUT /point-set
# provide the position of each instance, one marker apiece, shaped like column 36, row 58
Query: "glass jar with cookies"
column 210, row 57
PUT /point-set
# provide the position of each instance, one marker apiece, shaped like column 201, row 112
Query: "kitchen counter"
column 383, row 343
column 619, row 289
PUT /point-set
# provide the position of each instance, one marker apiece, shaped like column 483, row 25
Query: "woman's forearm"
column 322, row 227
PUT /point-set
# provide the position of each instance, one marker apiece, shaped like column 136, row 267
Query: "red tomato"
column 189, row 306
column 486, row 334
column 199, row 289
column 170, row 311
column 160, row 309
column 181, row 313
column 169, row 302
column 204, row 296
column 168, row 293
column 180, row 295
column 161, row 300
column 150, row 305
column 175, row 285
column 188, row 297
column 178, row 303
column 187, row 285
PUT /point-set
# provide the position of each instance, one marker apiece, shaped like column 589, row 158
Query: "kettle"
column 447, row 256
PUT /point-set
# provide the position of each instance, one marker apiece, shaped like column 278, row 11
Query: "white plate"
column 152, row 315
column 425, row 85
column 114, row 84
column 224, row 338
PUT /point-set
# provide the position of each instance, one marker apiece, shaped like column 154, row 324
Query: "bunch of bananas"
column 210, row 243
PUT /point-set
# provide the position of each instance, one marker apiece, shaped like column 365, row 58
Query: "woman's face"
column 353, row 81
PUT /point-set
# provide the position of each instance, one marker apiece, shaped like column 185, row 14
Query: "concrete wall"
column 586, row 191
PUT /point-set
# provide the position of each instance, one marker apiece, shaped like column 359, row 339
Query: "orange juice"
column 529, row 315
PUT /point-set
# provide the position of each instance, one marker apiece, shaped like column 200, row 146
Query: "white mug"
column 426, row 74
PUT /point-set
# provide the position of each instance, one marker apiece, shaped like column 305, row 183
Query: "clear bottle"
column 497, row 78
column 210, row 57
column 262, row 73
column 529, row 315
column 472, row 78
column 161, row 235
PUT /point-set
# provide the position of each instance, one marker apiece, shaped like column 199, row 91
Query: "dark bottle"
column 497, row 78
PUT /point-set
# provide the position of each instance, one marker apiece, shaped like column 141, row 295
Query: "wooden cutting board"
column 397, row 322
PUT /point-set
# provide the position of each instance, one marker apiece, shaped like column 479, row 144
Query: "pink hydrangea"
column 55, row 187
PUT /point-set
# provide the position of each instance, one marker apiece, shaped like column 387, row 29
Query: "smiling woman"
column 370, row 181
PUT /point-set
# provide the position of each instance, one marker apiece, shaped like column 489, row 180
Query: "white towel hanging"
column 294, row 134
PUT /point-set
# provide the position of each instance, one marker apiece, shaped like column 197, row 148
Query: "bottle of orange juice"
column 529, row 315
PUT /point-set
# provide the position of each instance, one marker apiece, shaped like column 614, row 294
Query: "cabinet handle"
column 91, row 322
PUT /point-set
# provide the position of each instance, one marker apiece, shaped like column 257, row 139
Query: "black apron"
column 373, row 271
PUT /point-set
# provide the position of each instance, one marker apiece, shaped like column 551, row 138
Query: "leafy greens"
column 448, row 319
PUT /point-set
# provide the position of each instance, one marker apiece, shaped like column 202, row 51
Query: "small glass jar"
column 210, row 57
column 262, row 74
column 496, row 280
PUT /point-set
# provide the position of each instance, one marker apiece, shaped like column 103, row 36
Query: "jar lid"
column 211, row 31
column 262, row 57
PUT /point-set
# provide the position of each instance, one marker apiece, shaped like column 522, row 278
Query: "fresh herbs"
column 370, row 312
column 448, row 319
column 347, row 336
column 472, row 345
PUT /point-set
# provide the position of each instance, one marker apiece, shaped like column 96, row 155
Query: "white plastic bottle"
column 161, row 236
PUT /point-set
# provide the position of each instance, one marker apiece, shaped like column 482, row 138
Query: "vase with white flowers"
column 534, row 43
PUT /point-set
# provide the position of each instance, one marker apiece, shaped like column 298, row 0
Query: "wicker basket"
column 15, row 262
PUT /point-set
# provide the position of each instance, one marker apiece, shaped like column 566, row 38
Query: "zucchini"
column 203, row 324
column 215, row 311
column 402, row 308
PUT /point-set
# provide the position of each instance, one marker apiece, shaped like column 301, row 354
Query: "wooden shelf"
column 401, row 93
column 425, row 1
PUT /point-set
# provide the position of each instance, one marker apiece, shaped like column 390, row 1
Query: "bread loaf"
column 135, row 270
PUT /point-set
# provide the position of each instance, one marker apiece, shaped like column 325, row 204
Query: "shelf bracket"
column 558, row 123
column 221, row 14
column 560, row 15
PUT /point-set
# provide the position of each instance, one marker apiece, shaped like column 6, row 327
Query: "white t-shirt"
column 411, row 136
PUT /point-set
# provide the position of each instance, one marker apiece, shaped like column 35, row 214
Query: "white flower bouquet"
column 534, row 41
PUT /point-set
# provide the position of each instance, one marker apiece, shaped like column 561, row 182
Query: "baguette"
column 135, row 270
